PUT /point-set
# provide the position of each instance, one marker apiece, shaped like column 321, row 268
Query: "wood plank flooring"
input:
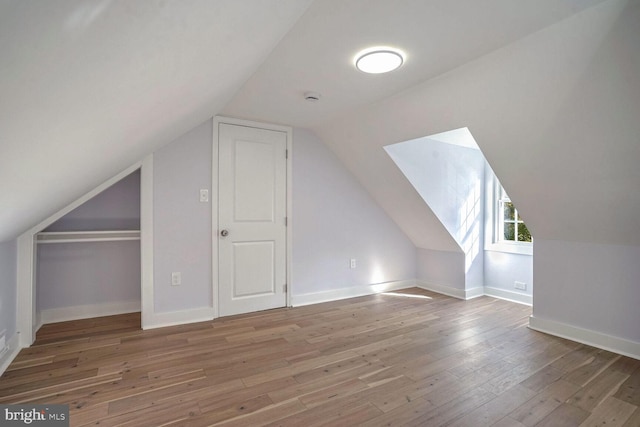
column 410, row 358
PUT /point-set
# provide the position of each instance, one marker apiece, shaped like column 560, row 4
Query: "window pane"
column 509, row 231
column 523, row 233
column 509, row 211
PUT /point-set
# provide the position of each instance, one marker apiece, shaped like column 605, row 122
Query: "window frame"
column 494, row 223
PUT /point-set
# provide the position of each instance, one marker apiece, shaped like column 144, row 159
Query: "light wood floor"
column 416, row 359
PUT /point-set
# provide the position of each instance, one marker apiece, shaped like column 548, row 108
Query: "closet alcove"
column 88, row 261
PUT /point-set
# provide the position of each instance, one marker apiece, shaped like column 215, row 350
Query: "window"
column 511, row 228
column 505, row 230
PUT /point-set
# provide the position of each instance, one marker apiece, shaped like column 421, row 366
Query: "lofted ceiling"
column 89, row 87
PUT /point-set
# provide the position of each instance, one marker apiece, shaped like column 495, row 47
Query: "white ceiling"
column 554, row 113
column 437, row 36
column 90, row 87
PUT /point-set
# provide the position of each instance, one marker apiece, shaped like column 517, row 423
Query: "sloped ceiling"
column 88, row 88
column 545, row 87
column 548, row 88
column 555, row 113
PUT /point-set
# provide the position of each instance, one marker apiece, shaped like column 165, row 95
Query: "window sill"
column 512, row 248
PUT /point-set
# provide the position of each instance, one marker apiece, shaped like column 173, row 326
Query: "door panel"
column 252, row 209
column 254, row 182
column 258, row 280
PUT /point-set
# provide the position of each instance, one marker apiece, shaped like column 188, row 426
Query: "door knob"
column 224, row 233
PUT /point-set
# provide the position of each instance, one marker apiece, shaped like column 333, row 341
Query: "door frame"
column 215, row 226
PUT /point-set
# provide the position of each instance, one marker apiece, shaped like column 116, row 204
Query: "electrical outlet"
column 176, row 278
column 204, row 195
column 520, row 285
column 352, row 264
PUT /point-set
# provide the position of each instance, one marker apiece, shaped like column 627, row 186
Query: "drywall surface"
column 555, row 114
column 116, row 208
column 8, row 287
column 93, row 273
column 502, row 269
column 335, row 220
column 181, row 223
column 441, row 268
column 590, row 286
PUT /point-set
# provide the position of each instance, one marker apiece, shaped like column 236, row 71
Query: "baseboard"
column 474, row 293
column 443, row 289
column 173, row 318
column 11, row 351
column 586, row 336
column 508, row 295
column 351, row 292
column 63, row 314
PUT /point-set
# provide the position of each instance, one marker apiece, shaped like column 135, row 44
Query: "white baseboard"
column 508, row 295
column 586, row 336
column 474, row 293
column 442, row 289
column 352, row 292
column 10, row 352
column 173, row 318
column 467, row 294
column 63, row 314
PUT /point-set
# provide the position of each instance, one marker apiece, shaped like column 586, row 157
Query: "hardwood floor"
column 411, row 358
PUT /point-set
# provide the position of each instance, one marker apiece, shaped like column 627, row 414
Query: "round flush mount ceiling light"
column 379, row 60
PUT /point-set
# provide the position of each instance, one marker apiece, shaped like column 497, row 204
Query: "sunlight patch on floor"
column 399, row 294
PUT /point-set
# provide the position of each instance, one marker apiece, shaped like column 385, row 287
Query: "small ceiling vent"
column 312, row 96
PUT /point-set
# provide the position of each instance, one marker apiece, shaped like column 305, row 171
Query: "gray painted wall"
column 441, row 268
column 335, row 219
column 73, row 274
column 590, row 286
column 8, row 287
column 116, row 208
column 181, row 223
column 502, row 269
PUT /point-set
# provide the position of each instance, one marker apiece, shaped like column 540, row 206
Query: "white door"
column 252, row 232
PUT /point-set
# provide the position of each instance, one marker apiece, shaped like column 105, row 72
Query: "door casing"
column 215, row 229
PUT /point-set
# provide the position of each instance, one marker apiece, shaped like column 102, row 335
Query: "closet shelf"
column 87, row 236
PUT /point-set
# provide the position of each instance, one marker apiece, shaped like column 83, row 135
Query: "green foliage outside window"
column 514, row 228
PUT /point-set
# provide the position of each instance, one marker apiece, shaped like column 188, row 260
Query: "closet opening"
column 88, row 263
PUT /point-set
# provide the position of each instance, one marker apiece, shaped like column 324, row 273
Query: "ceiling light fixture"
column 379, row 60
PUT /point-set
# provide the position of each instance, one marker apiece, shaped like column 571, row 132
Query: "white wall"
column 181, row 223
column 590, row 286
column 8, row 287
column 502, row 269
column 441, row 268
column 334, row 220
column 450, row 180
